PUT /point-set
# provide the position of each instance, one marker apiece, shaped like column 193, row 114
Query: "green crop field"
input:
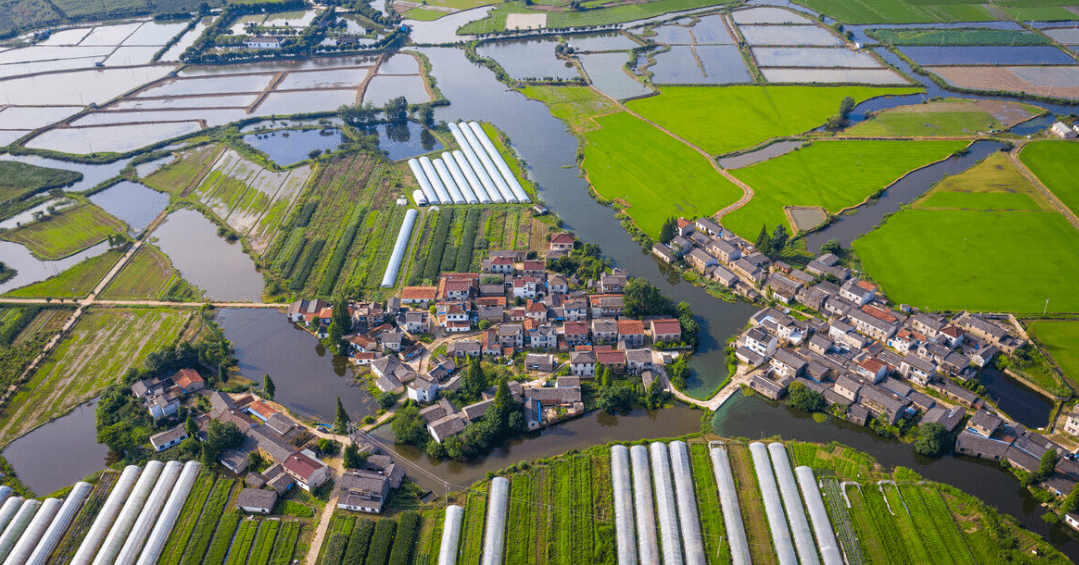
column 1046, row 159
column 981, row 201
column 724, row 119
column 67, row 232
column 598, row 15
column 952, row 118
column 77, row 281
column 149, row 275
column 188, row 518
column 901, row 11
column 575, row 105
column 95, row 353
column 996, row 261
column 1061, row 340
column 654, row 174
column 18, row 180
column 185, row 172
column 832, row 174
column 993, row 183
column 963, row 36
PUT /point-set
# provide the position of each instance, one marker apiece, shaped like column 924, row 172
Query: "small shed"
column 256, row 501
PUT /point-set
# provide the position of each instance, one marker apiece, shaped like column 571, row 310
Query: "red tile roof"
column 883, row 315
column 666, row 326
column 575, row 328
column 419, row 293
column 682, row 222
column 262, row 409
column 611, row 357
column 186, row 377
column 301, row 465
column 630, row 327
column 562, row 238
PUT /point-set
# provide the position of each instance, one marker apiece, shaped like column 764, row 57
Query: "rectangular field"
column 832, row 174
column 77, row 281
column 1061, row 340
column 1046, row 160
column 951, row 118
column 901, row 11
column 66, row 233
column 149, row 275
column 96, row 352
column 721, row 120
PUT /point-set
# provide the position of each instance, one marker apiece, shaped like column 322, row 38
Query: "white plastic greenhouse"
column 665, row 507
column 470, row 176
column 488, row 164
column 511, row 179
column 681, row 470
column 803, row 538
column 494, row 532
column 773, row 508
column 5, row 493
column 475, row 165
column 100, row 526
column 451, row 535
column 425, row 185
column 8, row 510
column 29, row 538
column 448, row 181
column 389, row 278
column 623, row 506
column 126, row 519
column 419, row 197
column 732, row 510
column 459, row 178
column 17, row 526
column 55, row 532
column 647, row 544
column 432, row 177
column 129, row 552
column 156, row 542
column 822, row 527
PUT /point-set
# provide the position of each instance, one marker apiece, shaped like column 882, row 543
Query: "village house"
column 543, row 337
column 605, row 330
column 561, row 242
column 761, row 342
column 1071, row 423
column 582, row 363
column 787, row 363
column 701, row 259
column 666, row 330
column 422, row 390
column 497, row 265
column 631, row 333
column 639, row 360
column 168, row 438
column 575, row 333
column 421, row 296
column 525, row 287
column 416, row 322
column 985, row 423
column 1061, row 130
column 615, row 360
column 709, row 227
column 575, row 309
column 664, row 253
column 613, row 282
column 299, row 310
column 188, row 381
column 557, row 284
column 308, row 472
column 511, row 335
column 989, row 331
column 771, row 385
column 264, row 42
column 887, row 406
column 872, row 326
column 543, row 362
column 366, row 315
column 606, row 305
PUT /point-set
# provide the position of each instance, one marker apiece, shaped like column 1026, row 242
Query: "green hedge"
column 359, row 542
column 381, row 543
column 407, row 527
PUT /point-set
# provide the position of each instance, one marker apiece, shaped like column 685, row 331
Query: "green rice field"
column 1061, row 339
column 987, row 261
column 575, row 105
column 900, row 11
column 993, row 184
column 77, row 281
column 18, row 180
column 597, row 15
column 724, row 119
column 952, row 118
column 1044, row 159
column 149, row 275
column 967, row 36
column 654, row 174
column 67, row 232
column 832, row 174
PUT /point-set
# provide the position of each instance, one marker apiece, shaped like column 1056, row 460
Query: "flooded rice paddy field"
column 601, row 42
column 1064, row 36
column 813, row 57
column 529, row 59
column 31, row 117
column 133, row 203
column 287, row 147
column 760, row 155
column 218, row 267
column 768, row 15
column 708, row 30
column 1059, row 82
column 606, row 73
column 788, row 35
column 927, row 55
column 116, row 138
column 842, row 76
column 700, row 64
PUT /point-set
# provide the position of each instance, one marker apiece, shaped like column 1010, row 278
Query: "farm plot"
column 788, row 35
column 833, row 174
column 722, row 120
column 901, row 11
column 77, row 281
column 814, row 57
column 1043, row 158
column 19, row 180
column 184, row 173
column 937, row 55
column 752, row 503
column 181, row 533
column 67, row 232
column 768, row 15
column 652, row 173
column 97, row 352
column 1061, row 340
column 993, row 184
column 963, row 36
column 700, row 64
column 880, row 77
column 1054, row 81
column 149, row 275
column 953, row 118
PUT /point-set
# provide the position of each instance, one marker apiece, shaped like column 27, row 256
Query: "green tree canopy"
column 932, row 440
column 641, row 298
column 804, row 399
column 409, row 427
column 268, row 387
column 340, row 424
column 669, row 230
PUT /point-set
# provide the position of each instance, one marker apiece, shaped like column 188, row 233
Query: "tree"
column 503, row 405
column 1048, row 464
column 764, row 241
column 409, row 427
column 605, row 377
column 268, row 387
column 779, row 239
column 804, row 399
column 191, row 427
column 615, row 399
column 396, row 109
column 669, row 230
column 641, row 298
column 387, row 399
column 340, row 425
column 475, row 382
column 932, row 440
column 1071, row 502
column 832, row 246
column 340, row 322
column 427, row 116
column 354, row 458
column 846, row 106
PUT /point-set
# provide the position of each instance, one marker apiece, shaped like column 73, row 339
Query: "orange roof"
column 666, row 326
column 262, row 409
column 563, row 237
column 630, row 327
column 879, row 314
column 867, row 285
column 872, row 364
column 583, row 348
column 682, row 222
column 419, row 293
column 186, row 377
column 575, row 328
column 950, row 331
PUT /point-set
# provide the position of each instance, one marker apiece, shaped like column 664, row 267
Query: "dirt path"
column 1037, row 183
column 720, row 397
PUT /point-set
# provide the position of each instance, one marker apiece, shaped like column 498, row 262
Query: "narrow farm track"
column 747, row 191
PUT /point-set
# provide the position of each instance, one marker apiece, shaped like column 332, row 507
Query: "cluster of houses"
column 560, row 324
column 278, row 440
column 162, row 397
column 1064, row 131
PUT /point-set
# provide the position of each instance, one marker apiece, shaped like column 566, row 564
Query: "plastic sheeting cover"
column 100, row 527
column 822, row 526
column 419, row 197
column 17, row 526
column 421, row 178
column 488, row 164
column 494, row 533
column 441, row 194
column 29, row 538
column 150, row 511
column 470, row 176
column 126, row 519
column 8, row 510
column 623, row 506
column 773, row 508
column 156, row 542
column 448, row 181
column 60, row 523
column 665, row 506
column 474, row 163
column 451, row 535
column 803, row 538
column 389, row 278
column 459, row 178
column 647, row 544
column 732, row 510
column 687, row 503
column 500, row 162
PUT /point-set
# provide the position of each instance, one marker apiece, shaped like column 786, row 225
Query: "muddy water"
column 72, row 453
column 307, row 379
column 206, row 260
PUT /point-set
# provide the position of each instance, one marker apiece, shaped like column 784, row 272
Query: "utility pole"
column 1046, row 307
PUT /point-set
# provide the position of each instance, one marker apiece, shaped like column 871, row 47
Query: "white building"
column 263, row 42
column 1063, row 131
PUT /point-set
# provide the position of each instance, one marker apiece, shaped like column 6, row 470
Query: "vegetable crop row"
column 290, row 253
column 359, row 541
column 185, row 524
column 300, row 279
column 468, row 240
column 208, row 522
column 381, row 541
column 438, row 244
column 407, row 528
column 344, row 244
column 219, row 547
column 264, row 541
column 241, row 545
column 286, row 543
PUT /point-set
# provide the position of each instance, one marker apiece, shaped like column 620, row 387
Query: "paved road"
column 132, row 303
